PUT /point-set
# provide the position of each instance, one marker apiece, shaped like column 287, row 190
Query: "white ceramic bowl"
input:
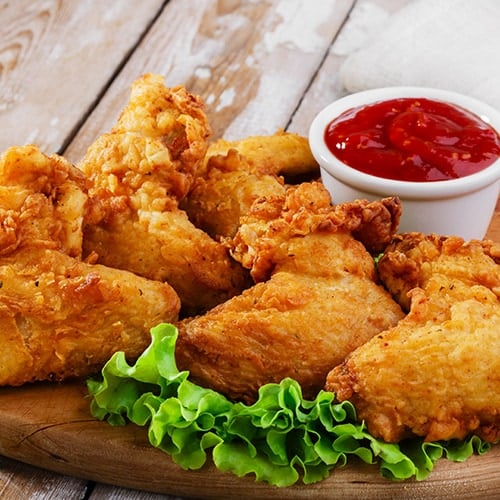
column 462, row 207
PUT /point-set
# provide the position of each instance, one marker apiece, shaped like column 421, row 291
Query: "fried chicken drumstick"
column 138, row 173
column 303, row 314
column 59, row 316
column 435, row 374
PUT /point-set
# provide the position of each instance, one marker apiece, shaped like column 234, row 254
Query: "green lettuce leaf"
column 282, row 438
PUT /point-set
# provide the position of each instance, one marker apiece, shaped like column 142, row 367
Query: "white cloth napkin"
column 450, row 44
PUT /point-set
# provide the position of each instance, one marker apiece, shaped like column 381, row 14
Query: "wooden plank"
column 108, row 492
column 364, row 19
column 23, row 481
column 494, row 229
column 250, row 61
column 56, row 57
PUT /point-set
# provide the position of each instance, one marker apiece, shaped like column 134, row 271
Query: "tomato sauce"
column 413, row 139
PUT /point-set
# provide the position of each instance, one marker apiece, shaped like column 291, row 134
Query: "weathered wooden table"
column 65, row 71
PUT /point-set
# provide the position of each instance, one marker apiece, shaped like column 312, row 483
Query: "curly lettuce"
column 281, row 438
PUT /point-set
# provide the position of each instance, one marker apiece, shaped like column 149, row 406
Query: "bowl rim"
column 408, row 189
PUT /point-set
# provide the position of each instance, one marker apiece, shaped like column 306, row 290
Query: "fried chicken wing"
column 435, row 374
column 304, row 313
column 42, row 202
column 274, row 224
column 235, row 173
column 226, row 192
column 63, row 318
column 174, row 118
column 60, row 316
column 413, row 260
column 283, row 153
column 138, row 173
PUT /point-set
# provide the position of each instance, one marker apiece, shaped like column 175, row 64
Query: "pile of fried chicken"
column 238, row 244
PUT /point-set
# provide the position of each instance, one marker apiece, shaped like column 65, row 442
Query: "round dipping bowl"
column 462, row 207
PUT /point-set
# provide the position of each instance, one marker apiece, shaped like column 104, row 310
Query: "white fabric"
column 450, row 44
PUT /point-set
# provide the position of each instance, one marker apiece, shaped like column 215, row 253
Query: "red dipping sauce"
column 413, row 139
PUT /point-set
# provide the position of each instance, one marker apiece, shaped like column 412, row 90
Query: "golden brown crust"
column 274, row 222
column 281, row 154
column 236, row 173
column 159, row 140
column 437, row 373
column 292, row 325
column 413, row 258
column 63, row 318
column 304, row 315
column 137, row 175
column 59, row 316
column 174, row 117
column 42, row 201
column 226, row 192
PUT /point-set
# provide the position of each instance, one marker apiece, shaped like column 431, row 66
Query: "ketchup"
column 413, row 139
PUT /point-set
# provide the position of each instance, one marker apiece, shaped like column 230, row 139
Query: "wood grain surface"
column 49, row 425
column 494, row 229
column 56, row 57
column 250, row 63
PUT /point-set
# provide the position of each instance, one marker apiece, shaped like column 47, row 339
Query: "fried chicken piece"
column 437, row 373
column 165, row 246
column 413, row 259
column 283, row 153
column 137, row 174
column 262, row 241
column 42, row 202
column 304, row 313
column 59, row 316
column 226, row 192
column 158, row 141
column 235, row 173
column 168, row 117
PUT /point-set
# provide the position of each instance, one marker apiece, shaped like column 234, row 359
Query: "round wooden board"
column 49, row 425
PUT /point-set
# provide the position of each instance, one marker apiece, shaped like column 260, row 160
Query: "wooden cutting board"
column 50, row 426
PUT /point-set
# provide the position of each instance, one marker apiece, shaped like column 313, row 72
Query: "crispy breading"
column 283, row 153
column 165, row 246
column 235, row 173
column 226, row 192
column 42, row 202
column 437, row 373
column 137, row 174
column 159, row 139
column 59, row 316
column 304, row 315
column 412, row 260
column 174, row 117
column 262, row 241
